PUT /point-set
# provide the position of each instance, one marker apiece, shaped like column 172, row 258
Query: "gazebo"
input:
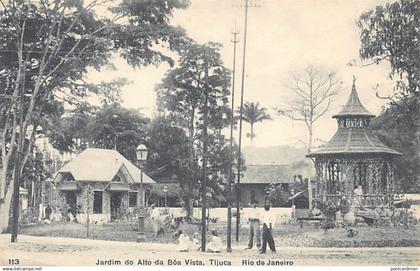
column 353, row 158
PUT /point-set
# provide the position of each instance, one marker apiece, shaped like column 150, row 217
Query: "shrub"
column 403, row 218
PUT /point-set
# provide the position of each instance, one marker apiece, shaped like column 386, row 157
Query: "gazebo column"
column 390, row 182
column 347, row 178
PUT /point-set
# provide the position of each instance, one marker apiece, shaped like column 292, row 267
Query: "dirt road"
column 32, row 250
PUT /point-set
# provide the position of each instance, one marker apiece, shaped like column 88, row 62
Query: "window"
column 116, row 179
column 68, row 177
column 252, row 196
column 97, row 202
column 132, row 199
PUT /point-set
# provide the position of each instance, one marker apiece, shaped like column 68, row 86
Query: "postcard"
column 257, row 134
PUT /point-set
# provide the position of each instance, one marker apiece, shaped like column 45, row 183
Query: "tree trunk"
column 5, row 208
column 252, row 133
column 190, row 186
column 310, row 196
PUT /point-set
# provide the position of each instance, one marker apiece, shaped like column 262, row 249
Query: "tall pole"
column 140, row 236
column 238, row 189
column 17, row 169
column 88, row 197
column 204, row 176
column 229, row 210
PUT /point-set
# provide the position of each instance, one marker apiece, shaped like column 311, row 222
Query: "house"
column 100, row 182
column 257, row 178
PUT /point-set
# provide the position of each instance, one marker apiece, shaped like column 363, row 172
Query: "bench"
column 302, row 219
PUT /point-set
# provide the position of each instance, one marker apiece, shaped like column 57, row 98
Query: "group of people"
column 186, row 244
column 267, row 220
column 257, row 221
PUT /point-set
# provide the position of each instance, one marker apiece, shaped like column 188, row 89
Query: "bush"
column 29, row 215
column 403, row 218
column 328, row 210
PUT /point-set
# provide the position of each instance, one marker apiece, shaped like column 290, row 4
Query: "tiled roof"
column 354, row 107
column 101, row 165
column 353, row 140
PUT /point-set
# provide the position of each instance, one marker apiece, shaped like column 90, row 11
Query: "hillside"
column 277, row 155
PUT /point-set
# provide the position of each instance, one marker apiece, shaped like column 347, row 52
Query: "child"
column 195, row 242
column 184, row 242
column 215, row 245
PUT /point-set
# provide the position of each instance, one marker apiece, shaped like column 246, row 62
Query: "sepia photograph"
column 258, row 134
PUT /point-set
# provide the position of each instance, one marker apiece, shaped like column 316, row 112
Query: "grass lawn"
column 284, row 235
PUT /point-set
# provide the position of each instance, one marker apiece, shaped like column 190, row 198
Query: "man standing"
column 254, row 226
column 268, row 222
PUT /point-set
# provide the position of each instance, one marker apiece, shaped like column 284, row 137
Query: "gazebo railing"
column 366, row 200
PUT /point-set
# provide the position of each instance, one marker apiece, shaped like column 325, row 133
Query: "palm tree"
column 252, row 113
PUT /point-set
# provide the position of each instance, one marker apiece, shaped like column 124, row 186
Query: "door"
column 71, row 201
column 116, row 205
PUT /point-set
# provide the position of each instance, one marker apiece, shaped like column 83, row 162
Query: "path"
column 33, row 250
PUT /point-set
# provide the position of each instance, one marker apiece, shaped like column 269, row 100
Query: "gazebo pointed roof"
column 353, row 138
column 354, row 107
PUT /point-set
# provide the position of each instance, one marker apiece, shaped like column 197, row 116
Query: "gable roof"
column 265, row 174
column 101, row 165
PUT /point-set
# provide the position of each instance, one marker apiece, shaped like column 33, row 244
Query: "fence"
column 282, row 215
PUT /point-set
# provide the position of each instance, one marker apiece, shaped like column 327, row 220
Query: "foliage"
column 328, row 210
column 391, row 33
column 110, row 126
column 276, row 195
column 48, row 48
column 403, row 218
column 396, row 131
column 29, row 215
column 182, row 91
column 168, row 148
column 351, row 232
column 181, row 96
column 253, row 113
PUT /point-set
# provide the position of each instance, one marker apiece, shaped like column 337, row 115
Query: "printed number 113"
column 13, row 261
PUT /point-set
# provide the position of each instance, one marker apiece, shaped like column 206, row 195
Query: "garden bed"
column 366, row 237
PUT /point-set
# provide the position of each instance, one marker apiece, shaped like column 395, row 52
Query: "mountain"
column 273, row 155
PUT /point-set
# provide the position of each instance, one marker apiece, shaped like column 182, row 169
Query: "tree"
column 115, row 127
column 277, row 196
column 391, row 33
column 107, row 127
column 48, row 47
column 312, row 93
column 393, row 128
column 182, row 96
column 169, row 151
column 252, row 114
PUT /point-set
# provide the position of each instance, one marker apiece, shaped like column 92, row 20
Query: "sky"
column 284, row 36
